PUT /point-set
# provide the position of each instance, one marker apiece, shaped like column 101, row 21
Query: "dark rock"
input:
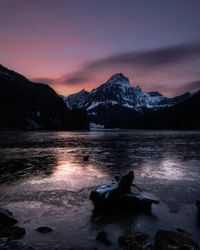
column 17, row 245
column 103, row 238
column 3, row 242
column 44, row 229
column 6, row 217
column 86, row 158
column 12, row 232
column 180, row 230
column 119, row 196
column 198, row 207
column 134, row 241
column 166, row 240
column 96, row 216
column 117, row 178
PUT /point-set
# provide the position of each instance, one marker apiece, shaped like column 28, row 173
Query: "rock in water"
column 12, row 232
column 44, row 229
column 103, row 238
column 180, row 230
column 86, row 158
column 136, row 241
column 166, row 240
column 17, row 245
column 6, row 217
column 118, row 195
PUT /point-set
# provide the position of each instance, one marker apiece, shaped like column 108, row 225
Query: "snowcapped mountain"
column 118, row 92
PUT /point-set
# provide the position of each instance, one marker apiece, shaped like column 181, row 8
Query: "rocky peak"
column 83, row 91
column 138, row 89
column 154, row 93
column 117, row 91
column 118, row 79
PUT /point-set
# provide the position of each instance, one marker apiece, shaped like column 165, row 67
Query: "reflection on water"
column 43, row 175
column 59, row 155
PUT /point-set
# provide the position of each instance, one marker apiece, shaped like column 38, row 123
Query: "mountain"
column 184, row 115
column 117, row 91
column 117, row 104
column 28, row 105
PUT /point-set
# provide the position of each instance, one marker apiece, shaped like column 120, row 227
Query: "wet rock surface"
column 134, row 241
column 180, row 230
column 167, row 240
column 12, row 232
column 15, row 244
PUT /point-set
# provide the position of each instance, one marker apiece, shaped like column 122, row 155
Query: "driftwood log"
column 119, row 195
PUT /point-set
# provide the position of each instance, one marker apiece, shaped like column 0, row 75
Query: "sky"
column 76, row 44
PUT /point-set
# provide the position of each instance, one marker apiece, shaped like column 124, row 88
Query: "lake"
column 45, row 182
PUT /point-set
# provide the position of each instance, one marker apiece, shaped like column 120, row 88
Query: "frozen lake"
column 45, row 182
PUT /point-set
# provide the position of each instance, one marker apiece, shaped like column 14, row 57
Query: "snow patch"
column 94, row 126
column 128, row 106
column 93, row 105
column 105, row 190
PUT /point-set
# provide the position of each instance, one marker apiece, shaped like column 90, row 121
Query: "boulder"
column 17, row 245
column 119, row 196
column 167, row 240
column 12, row 232
column 3, row 242
column 6, row 217
column 180, row 230
column 134, row 241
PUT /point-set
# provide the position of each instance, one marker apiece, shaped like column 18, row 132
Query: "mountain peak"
column 119, row 78
column 117, row 91
column 83, row 91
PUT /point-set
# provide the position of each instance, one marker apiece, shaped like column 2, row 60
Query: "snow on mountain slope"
column 117, row 91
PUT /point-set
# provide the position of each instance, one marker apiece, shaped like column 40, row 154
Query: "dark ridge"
column 28, row 105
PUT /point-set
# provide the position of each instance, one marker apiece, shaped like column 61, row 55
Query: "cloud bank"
column 171, row 70
column 151, row 60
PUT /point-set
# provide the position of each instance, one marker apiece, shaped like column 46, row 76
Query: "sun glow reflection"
column 172, row 170
column 78, row 175
column 167, row 169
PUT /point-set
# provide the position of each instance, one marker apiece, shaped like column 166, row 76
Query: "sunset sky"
column 76, row 44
